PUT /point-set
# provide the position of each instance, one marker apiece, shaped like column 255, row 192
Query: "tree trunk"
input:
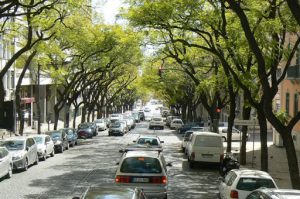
column 183, row 114
column 83, row 114
column 263, row 139
column 291, row 157
column 230, row 121
column 75, row 116
column 56, row 116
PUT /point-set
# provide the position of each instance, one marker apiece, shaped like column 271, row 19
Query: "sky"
column 108, row 8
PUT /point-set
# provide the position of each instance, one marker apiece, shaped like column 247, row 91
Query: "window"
column 141, row 165
column 287, row 103
column 296, row 102
column 250, row 184
column 208, row 141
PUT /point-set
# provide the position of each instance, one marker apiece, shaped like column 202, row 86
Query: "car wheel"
column 25, row 168
column 44, row 156
column 76, row 143
column 36, row 160
column 68, row 146
column 9, row 172
column 52, row 154
column 191, row 164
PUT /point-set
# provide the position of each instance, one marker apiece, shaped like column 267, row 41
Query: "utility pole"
column 38, row 102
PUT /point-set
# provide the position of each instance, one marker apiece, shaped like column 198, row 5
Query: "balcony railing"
column 293, row 72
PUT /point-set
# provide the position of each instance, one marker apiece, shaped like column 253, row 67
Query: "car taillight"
column 221, row 157
column 234, row 194
column 193, row 156
column 159, row 180
column 122, row 179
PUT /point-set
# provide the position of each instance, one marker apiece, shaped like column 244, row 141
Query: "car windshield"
column 141, row 165
column 83, row 126
column 151, row 141
column 13, row 144
column 250, row 184
column 208, row 141
column 55, row 135
column 157, row 119
column 116, row 124
column 38, row 140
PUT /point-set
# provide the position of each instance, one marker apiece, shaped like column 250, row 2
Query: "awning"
column 27, row 100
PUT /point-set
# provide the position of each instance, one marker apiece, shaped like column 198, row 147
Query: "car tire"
column 25, row 168
column 44, row 156
column 9, row 172
column 191, row 164
column 36, row 160
column 53, row 153
column 68, row 146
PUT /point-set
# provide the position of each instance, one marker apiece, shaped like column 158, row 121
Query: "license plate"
column 207, row 155
column 140, row 180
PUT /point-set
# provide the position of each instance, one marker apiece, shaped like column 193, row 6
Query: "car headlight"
column 18, row 156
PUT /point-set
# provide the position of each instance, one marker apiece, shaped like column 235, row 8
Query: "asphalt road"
column 93, row 163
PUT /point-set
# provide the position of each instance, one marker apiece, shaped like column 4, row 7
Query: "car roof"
column 207, row 133
column 280, row 193
column 38, row 135
column 252, row 173
column 148, row 136
column 138, row 153
column 16, row 138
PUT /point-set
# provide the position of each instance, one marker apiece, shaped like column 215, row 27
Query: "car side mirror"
column 162, row 142
column 134, row 141
column 27, row 148
column 169, row 164
column 121, row 151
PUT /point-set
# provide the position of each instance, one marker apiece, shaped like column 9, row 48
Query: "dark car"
column 94, row 128
column 188, row 126
column 141, row 115
column 85, row 131
column 112, row 192
column 71, row 135
column 60, row 140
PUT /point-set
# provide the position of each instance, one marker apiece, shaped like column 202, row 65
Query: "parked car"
column 188, row 126
column 144, row 169
column 239, row 183
column 125, row 125
column 136, row 117
column 156, row 122
column 141, row 115
column 71, row 136
column 6, row 163
column 101, row 124
column 60, row 140
column 23, row 150
column 170, row 118
column 85, row 131
column 117, row 128
column 265, row 193
column 236, row 134
column 45, row 146
column 176, row 123
column 185, row 139
column 112, row 192
column 94, row 128
column 205, row 147
column 152, row 140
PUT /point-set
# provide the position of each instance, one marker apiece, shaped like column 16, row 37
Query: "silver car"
column 144, row 169
column 6, row 163
column 45, row 146
column 23, row 150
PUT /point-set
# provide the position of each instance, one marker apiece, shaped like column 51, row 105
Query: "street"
column 93, row 163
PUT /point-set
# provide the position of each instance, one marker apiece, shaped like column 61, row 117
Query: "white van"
column 205, row 147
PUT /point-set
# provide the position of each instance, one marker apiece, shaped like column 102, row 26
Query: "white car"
column 176, row 124
column 45, row 146
column 239, row 183
column 236, row 134
column 146, row 170
column 6, row 163
column 156, row 122
column 185, row 139
column 101, row 124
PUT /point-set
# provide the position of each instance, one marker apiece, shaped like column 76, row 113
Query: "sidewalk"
column 278, row 166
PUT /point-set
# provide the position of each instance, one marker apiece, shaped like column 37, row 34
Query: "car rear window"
column 141, row 165
column 151, row 141
column 208, row 141
column 157, row 119
column 250, row 184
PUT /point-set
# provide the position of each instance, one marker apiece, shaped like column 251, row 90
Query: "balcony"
column 293, row 72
